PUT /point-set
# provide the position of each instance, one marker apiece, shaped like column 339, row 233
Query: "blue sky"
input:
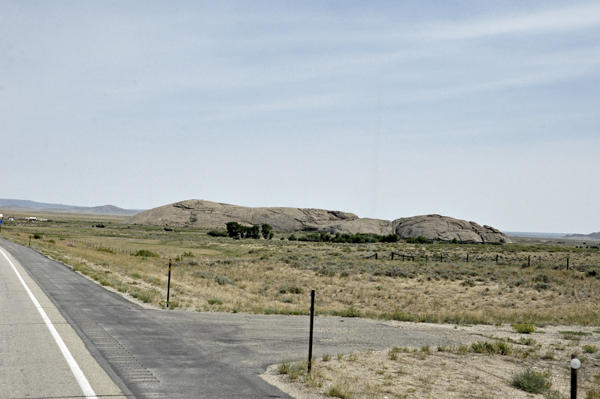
column 485, row 111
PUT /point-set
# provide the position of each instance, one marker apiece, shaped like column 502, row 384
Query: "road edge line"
column 83, row 382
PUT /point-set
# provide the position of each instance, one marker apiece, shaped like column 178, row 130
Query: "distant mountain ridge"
column 32, row 206
column 592, row 236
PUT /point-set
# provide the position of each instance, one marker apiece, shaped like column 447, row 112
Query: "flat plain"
column 544, row 283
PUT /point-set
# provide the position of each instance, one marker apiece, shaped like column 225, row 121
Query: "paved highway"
column 156, row 353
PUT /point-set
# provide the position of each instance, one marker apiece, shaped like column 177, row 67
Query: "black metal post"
column 375, row 255
column 529, row 261
column 496, row 258
column 169, row 284
column 392, row 255
column 467, row 258
column 567, row 263
column 310, row 336
column 573, row 381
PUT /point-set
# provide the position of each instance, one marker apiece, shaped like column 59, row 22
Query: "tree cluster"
column 358, row 238
column 237, row 231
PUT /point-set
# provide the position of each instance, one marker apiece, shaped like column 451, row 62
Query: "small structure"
column 31, row 219
column 11, row 218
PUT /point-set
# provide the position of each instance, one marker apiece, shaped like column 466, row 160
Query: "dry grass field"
column 499, row 286
column 529, row 282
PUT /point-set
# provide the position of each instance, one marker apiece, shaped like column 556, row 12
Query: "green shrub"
column 527, row 341
column 543, row 286
column 417, row 240
column 108, row 250
column 500, row 348
column 362, row 238
column 339, row 390
column 589, row 348
column 524, row 328
column 531, row 381
column 143, row 295
column 215, row 302
column 222, row 280
column 290, row 289
column 201, row 274
column 37, row 236
column 145, row 253
column 468, row 283
column 217, row 233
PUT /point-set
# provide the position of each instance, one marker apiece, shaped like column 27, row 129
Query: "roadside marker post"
column 169, row 284
column 575, row 365
column 310, row 336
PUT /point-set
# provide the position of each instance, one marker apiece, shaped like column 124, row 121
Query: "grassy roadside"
column 529, row 282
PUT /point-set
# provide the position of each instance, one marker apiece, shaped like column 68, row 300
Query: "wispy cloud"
column 570, row 17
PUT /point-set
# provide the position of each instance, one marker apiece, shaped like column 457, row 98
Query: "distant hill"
column 592, row 236
column 207, row 214
column 32, row 206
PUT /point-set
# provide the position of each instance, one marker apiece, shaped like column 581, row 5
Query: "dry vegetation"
column 529, row 282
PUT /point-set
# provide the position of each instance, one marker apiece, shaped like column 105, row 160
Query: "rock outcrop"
column 207, row 214
column 361, row 225
column 443, row 228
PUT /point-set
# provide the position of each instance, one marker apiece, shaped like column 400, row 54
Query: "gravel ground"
column 452, row 373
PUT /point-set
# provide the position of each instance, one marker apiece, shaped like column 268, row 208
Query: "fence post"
column 392, row 255
column 496, row 258
column 467, row 258
column 529, row 261
column 375, row 255
column 567, row 263
column 169, row 284
column 310, row 336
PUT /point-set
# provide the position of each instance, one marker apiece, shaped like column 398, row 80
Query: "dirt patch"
column 469, row 370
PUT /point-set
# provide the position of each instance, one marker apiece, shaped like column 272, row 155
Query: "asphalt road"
column 174, row 354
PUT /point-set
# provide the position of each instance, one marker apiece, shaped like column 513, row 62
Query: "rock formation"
column 443, row 228
column 207, row 214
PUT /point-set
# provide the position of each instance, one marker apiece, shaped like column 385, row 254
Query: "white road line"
column 79, row 376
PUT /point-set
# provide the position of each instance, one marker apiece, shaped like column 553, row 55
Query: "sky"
column 483, row 111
